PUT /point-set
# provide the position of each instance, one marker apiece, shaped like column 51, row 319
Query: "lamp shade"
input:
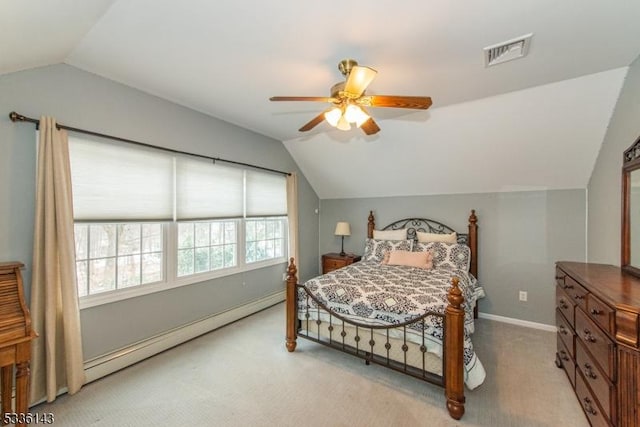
column 354, row 114
column 332, row 116
column 343, row 229
column 343, row 124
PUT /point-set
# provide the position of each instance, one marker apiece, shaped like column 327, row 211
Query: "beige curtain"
column 292, row 214
column 57, row 360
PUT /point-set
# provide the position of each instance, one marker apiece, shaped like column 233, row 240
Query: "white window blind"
column 266, row 194
column 114, row 182
column 207, row 191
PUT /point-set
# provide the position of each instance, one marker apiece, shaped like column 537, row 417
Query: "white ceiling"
column 226, row 58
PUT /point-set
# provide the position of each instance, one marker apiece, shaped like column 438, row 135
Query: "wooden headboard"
column 430, row 226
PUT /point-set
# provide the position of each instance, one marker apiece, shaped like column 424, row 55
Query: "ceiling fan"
column 349, row 100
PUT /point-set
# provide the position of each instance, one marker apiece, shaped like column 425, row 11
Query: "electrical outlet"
column 523, row 295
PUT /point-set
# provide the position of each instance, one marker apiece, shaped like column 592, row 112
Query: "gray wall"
column 84, row 100
column 605, row 203
column 520, row 237
column 521, row 234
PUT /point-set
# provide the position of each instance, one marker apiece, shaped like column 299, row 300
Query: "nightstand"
column 334, row 261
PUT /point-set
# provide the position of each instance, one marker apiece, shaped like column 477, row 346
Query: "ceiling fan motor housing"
column 346, row 65
column 336, row 89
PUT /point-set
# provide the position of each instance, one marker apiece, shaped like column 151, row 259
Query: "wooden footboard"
column 453, row 345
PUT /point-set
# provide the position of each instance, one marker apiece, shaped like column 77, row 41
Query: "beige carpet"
column 241, row 375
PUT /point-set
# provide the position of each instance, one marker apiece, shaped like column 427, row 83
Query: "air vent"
column 507, row 51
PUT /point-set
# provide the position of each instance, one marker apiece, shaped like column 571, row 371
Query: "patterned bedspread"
column 376, row 294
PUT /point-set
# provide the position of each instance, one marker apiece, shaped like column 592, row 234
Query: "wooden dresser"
column 598, row 320
column 15, row 340
column 334, row 261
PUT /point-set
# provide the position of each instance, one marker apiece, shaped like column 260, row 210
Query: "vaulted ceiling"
column 532, row 123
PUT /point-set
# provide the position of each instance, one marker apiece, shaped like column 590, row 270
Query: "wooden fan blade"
column 302, row 98
column 370, row 127
column 313, row 123
column 358, row 80
column 393, row 101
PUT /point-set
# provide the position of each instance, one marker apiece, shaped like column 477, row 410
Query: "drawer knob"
column 563, row 304
column 596, row 312
column 578, row 296
column 588, row 371
column 588, row 407
column 588, row 336
column 563, row 355
column 562, row 329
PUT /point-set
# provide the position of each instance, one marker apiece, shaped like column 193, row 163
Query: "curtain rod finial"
column 16, row 117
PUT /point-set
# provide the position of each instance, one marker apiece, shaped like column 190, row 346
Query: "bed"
column 409, row 318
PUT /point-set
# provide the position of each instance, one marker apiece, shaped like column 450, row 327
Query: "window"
column 265, row 239
column 118, row 256
column 148, row 220
column 206, row 246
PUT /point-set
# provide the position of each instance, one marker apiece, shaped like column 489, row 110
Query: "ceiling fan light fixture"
column 343, row 124
column 349, row 101
column 354, row 114
column 333, row 116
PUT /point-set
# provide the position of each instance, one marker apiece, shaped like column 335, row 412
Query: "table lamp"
column 342, row 229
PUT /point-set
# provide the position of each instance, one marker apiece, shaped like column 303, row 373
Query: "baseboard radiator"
column 101, row 366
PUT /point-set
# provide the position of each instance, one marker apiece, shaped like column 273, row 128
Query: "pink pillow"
column 410, row 259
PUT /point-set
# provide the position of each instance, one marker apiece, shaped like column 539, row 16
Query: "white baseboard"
column 525, row 323
column 104, row 365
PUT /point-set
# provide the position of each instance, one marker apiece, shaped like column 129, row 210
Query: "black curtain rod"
column 15, row 117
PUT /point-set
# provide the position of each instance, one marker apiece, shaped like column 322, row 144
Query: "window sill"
column 137, row 291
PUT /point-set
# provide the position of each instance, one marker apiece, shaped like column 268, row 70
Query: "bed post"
column 454, row 346
column 292, row 306
column 473, row 242
column 473, row 246
column 370, row 225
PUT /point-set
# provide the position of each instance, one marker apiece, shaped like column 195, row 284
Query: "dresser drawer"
column 560, row 275
column 566, row 334
column 600, row 386
column 589, row 405
column 599, row 345
column 334, row 261
column 566, row 361
column 576, row 292
column 602, row 314
column 333, row 264
column 627, row 328
column 565, row 305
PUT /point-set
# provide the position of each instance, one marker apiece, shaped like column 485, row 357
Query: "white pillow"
column 436, row 237
column 390, row 234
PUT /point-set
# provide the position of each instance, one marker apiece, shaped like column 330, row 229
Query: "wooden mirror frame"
column 630, row 162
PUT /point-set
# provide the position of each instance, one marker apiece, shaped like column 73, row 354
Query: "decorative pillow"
column 390, row 234
column 410, row 259
column 447, row 255
column 436, row 237
column 374, row 249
